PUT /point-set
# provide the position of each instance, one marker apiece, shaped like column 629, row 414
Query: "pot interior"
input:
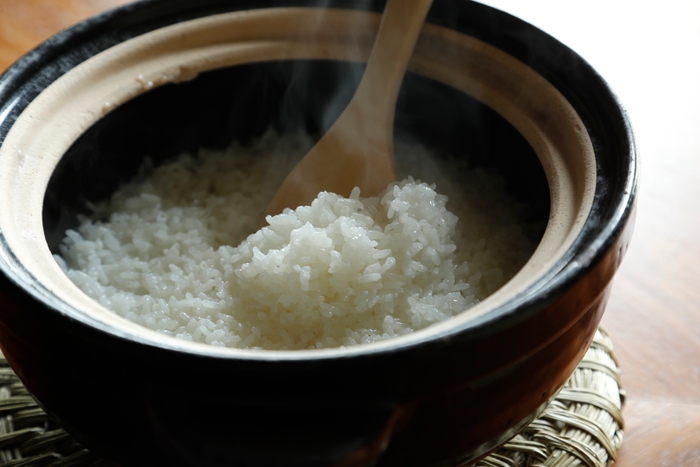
column 240, row 103
column 208, row 82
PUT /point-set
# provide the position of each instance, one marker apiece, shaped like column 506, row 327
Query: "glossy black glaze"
column 443, row 400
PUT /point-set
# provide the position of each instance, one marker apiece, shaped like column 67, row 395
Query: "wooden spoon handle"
column 398, row 32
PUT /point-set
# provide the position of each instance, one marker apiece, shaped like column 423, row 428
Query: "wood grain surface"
column 650, row 54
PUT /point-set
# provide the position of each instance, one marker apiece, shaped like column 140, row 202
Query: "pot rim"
column 597, row 235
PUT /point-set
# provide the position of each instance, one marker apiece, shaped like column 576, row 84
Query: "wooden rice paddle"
column 358, row 149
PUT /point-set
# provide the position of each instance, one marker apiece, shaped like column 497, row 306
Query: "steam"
column 323, row 97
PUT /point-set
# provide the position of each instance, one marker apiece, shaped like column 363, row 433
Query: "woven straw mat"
column 581, row 426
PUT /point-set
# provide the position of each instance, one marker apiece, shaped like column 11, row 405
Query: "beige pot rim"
column 75, row 101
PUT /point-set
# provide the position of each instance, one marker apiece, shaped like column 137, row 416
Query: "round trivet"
column 582, row 425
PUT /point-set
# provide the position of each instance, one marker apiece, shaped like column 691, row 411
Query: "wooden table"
column 650, row 54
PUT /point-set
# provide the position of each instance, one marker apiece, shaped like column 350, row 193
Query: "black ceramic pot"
column 79, row 114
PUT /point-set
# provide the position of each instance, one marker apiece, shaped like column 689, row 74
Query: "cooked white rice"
column 173, row 254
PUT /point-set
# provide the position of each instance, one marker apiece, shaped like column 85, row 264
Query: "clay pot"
column 79, row 114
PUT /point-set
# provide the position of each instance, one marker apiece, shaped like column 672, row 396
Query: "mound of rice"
column 171, row 252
